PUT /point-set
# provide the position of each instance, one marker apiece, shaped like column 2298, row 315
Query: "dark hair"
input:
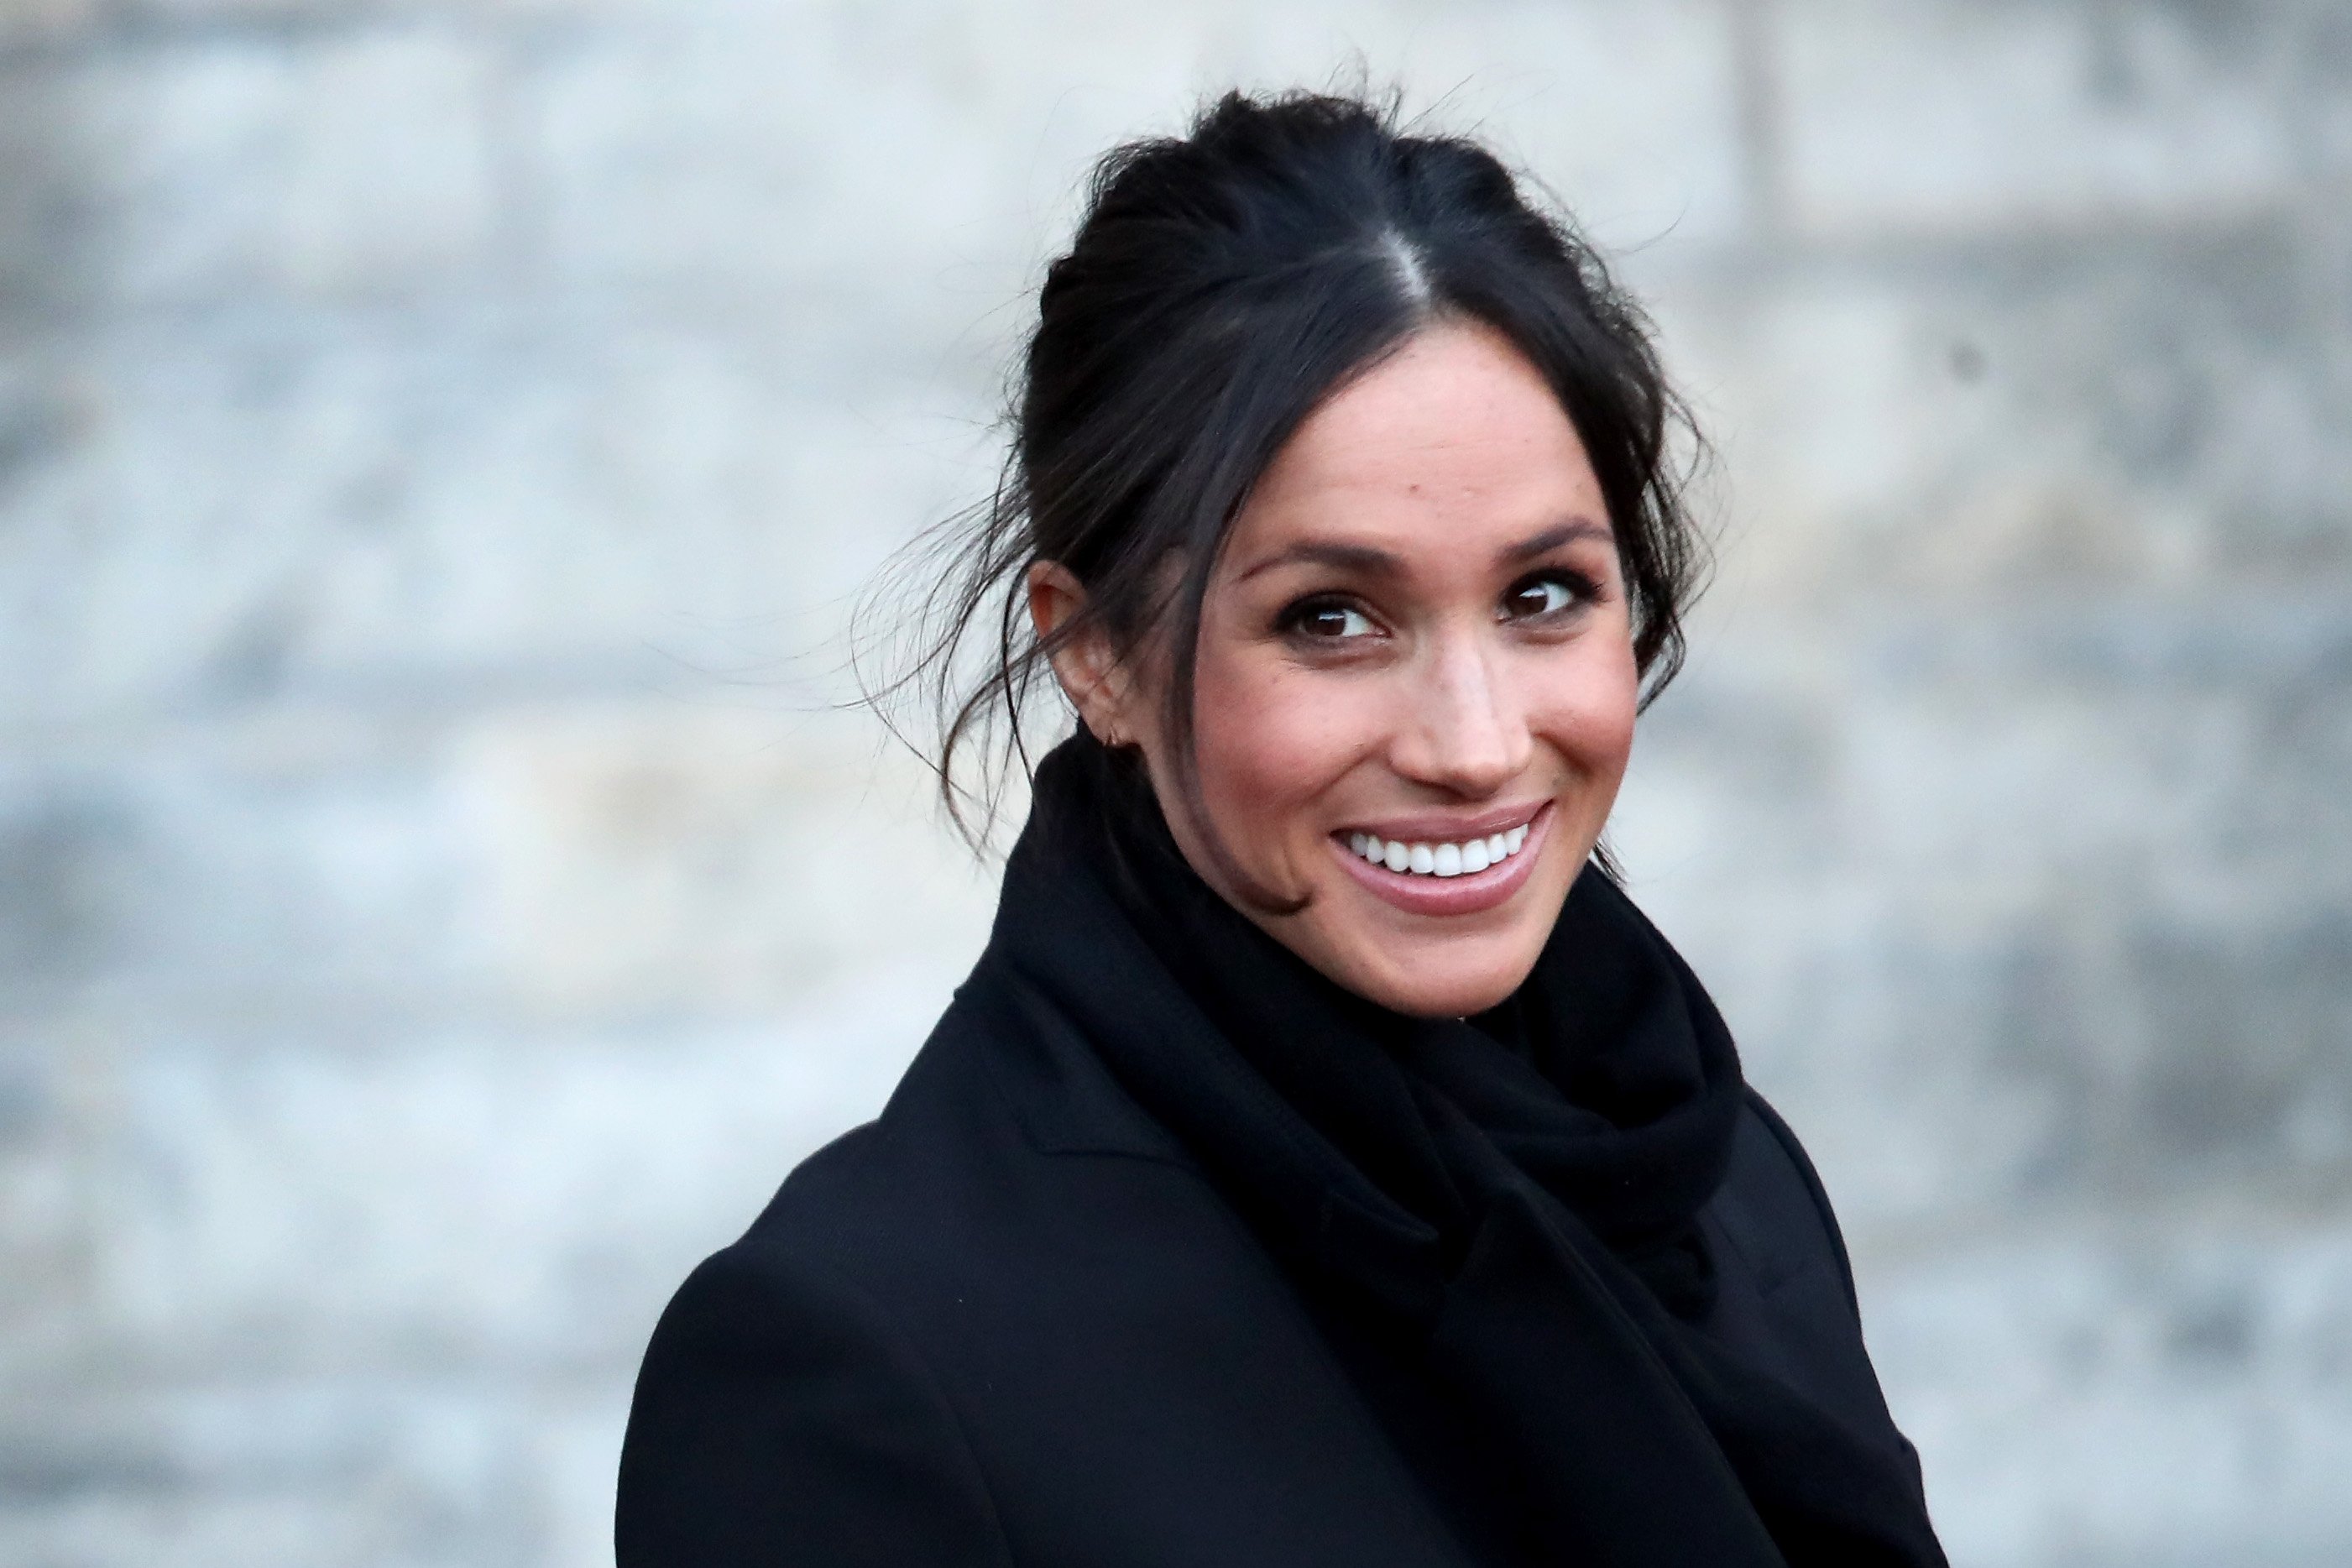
column 1220, row 287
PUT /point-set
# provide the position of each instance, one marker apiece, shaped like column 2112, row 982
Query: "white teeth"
column 1466, row 858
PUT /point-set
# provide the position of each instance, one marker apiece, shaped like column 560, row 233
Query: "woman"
column 1324, row 1162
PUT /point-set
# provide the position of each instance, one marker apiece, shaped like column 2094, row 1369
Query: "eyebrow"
column 1372, row 562
column 1552, row 538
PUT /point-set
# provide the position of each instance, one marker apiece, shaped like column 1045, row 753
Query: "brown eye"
column 1549, row 595
column 1327, row 620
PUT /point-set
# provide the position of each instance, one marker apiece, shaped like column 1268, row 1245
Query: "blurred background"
column 439, row 899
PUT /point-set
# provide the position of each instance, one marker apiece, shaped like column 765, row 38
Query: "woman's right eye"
column 1327, row 620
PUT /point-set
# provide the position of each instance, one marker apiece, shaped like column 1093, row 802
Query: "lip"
column 1435, row 829
column 1468, row 894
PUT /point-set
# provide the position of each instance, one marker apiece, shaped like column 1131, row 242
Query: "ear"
column 1090, row 671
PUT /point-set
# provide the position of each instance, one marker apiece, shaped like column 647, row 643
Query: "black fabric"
column 1515, row 1198
column 1033, row 1315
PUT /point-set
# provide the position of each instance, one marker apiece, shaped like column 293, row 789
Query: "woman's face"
column 1416, row 679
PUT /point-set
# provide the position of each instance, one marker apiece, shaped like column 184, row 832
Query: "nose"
column 1465, row 733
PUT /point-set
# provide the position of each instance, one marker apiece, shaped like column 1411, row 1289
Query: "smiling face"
column 1416, row 678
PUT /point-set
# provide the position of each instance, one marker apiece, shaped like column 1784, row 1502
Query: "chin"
column 1425, row 967
column 1450, row 1001
column 1423, row 984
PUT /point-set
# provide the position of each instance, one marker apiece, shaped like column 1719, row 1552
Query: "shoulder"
column 931, row 1303
column 780, row 1418
column 1007, row 1127
column 1786, row 1297
column 1011, row 1202
column 784, row 1412
column 1773, row 1207
column 1788, row 1300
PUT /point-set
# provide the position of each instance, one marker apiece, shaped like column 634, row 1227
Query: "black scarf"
column 1509, row 1199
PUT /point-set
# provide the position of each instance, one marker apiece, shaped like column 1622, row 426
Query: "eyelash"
column 1582, row 590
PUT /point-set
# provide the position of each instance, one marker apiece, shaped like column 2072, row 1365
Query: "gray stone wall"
column 439, row 898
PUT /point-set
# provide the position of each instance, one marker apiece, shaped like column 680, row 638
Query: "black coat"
column 1010, row 1321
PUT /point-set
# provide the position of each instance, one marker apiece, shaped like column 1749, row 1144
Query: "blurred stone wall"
column 439, row 898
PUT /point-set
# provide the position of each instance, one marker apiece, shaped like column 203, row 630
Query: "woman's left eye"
column 1547, row 596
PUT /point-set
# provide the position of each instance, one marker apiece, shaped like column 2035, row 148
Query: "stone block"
column 713, row 861
column 278, row 870
column 1629, row 113
column 573, row 861
column 27, row 25
column 2007, row 904
column 217, row 520
column 1939, row 118
column 368, row 1468
column 713, row 151
column 710, row 153
column 2157, row 1392
column 471, row 1203
column 46, row 208
column 51, row 1098
column 346, row 163
column 2100, row 418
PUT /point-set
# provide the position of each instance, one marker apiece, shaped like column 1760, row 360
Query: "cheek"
column 1612, row 714
column 1270, row 738
column 1586, row 709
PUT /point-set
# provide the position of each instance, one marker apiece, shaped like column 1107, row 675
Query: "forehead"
column 1454, row 437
